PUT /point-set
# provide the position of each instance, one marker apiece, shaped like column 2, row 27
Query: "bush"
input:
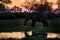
column 8, row 15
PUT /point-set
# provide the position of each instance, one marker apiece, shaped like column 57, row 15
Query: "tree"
column 5, row 1
column 58, row 1
column 2, row 4
column 2, row 7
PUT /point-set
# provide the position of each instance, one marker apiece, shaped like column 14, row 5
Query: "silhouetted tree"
column 2, row 7
column 5, row 1
column 44, row 7
column 2, row 2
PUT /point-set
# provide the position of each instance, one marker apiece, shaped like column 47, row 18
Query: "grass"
column 16, row 25
column 34, row 38
column 13, row 25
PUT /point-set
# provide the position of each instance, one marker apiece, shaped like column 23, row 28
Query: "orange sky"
column 19, row 3
column 16, row 3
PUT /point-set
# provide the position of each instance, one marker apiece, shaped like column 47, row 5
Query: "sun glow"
column 53, row 3
column 19, row 3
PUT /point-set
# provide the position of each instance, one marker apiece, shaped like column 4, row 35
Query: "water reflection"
column 18, row 35
column 21, row 35
column 52, row 35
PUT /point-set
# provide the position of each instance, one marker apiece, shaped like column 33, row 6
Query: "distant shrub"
column 9, row 15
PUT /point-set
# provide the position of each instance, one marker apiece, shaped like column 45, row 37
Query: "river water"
column 20, row 35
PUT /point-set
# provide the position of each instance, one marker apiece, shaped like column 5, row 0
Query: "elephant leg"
column 45, row 23
column 25, row 22
column 33, row 23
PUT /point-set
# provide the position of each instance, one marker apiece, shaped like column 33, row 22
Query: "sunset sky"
column 20, row 2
